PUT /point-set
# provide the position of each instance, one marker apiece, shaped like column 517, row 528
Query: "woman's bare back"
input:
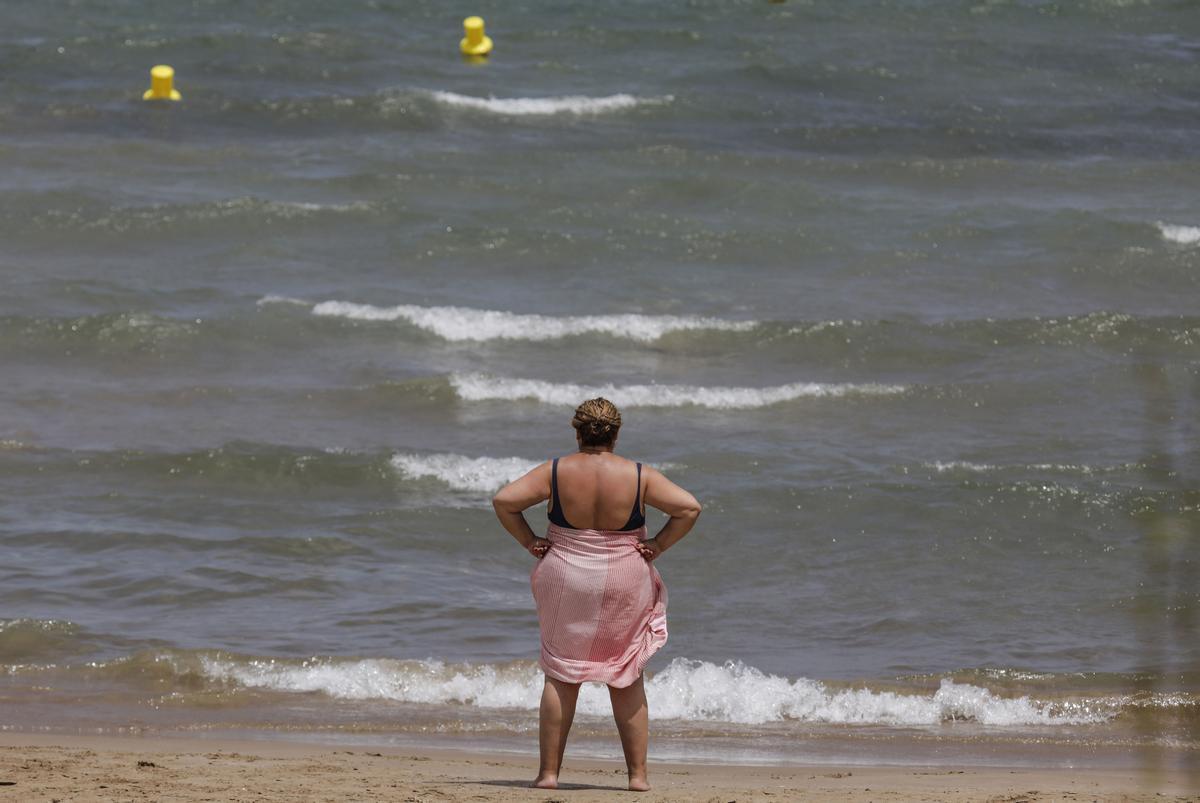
column 597, row 491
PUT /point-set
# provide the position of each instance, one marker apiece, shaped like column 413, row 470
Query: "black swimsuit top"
column 637, row 518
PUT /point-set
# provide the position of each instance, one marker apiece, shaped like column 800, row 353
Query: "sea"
column 904, row 291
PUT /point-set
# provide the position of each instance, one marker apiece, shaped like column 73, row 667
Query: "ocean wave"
column 958, row 465
column 697, row 691
column 265, row 466
column 24, row 639
column 481, row 387
column 467, row 324
column 240, row 465
column 160, row 217
column 883, row 340
column 943, row 467
column 462, row 473
column 1183, row 235
column 566, row 104
column 471, row 474
column 274, row 299
column 123, row 331
column 735, row 692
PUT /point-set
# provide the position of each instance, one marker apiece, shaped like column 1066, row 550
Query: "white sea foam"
column 481, row 387
column 462, row 473
column 472, row 474
column 266, row 300
column 1063, row 468
column 958, row 465
column 734, row 692
column 1184, row 235
column 686, row 690
column 566, row 104
column 466, row 323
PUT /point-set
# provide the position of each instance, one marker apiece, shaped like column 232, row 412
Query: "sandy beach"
column 70, row 768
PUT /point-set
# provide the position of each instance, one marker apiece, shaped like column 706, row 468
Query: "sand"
column 50, row 768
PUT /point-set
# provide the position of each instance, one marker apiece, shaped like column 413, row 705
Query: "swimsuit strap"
column 554, row 482
column 555, row 513
column 637, row 500
column 636, row 518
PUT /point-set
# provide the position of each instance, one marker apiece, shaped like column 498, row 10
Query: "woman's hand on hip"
column 650, row 549
column 539, row 547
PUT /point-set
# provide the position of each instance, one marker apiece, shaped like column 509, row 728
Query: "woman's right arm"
column 519, row 494
column 677, row 503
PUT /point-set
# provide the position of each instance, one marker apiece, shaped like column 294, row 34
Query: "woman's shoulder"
column 579, row 457
column 578, row 461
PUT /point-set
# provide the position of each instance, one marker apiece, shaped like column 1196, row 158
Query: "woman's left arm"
column 511, row 500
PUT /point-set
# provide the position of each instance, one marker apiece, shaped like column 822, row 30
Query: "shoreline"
column 189, row 768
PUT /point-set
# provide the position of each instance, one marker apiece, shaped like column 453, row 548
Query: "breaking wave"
column 467, row 324
column 481, row 387
column 884, row 340
column 470, row 474
column 950, row 466
column 1183, row 235
column 462, row 473
column 685, row 690
column 566, row 104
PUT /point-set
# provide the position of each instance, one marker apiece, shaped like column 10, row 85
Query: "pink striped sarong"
column 601, row 607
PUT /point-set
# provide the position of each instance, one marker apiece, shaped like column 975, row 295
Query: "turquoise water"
column 904, row 292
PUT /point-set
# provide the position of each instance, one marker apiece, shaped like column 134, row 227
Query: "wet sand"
column 68, row 768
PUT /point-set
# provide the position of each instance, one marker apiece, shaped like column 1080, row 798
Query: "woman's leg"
column 632, row 716
column 557, row 713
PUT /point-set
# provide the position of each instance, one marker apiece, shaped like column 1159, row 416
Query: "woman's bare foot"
column 548, row 781
column 638, row 784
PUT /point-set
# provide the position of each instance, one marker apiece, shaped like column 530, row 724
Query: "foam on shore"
column 697, row 691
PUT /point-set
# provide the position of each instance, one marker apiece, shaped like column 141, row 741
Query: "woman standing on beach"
column 601, row 603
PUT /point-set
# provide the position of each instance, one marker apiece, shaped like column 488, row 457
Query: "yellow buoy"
column 162, row 84
column 475, row 43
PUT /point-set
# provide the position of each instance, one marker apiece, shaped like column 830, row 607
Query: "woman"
column 601, row 604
